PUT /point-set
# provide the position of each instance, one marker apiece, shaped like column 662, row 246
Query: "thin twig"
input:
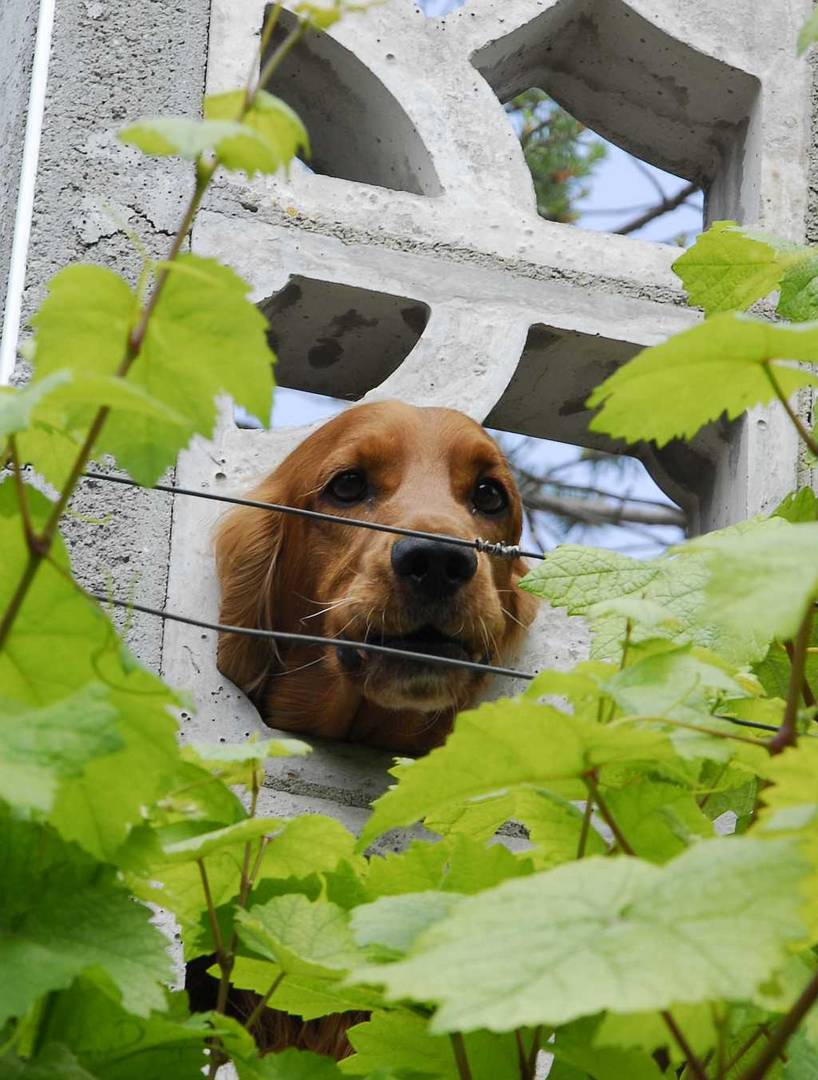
column 522, row 1057
column 261, row 1005
column 797, row 423
column 536, row 1042
column 693, row 1062
column 610, row 821
column 781, row 1036
column 787, row 734
column 806, row 689
column 586, row 826
column 459, row 1047
column 661, row 208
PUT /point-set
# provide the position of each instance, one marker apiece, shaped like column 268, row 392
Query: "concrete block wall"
column 409, row 262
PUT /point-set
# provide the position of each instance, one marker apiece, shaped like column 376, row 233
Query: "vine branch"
column 787, row 734
column 782, row 1034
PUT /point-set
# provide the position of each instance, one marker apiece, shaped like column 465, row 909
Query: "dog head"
column 431, row 470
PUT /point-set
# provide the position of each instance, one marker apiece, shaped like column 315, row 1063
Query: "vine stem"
column 610, row 820
column 262, row 1004
column 693, row 1062
column 586, row 826
column 781, row 1036
column 40, row 545
column 798, row 424
column 459, row 1048
column 787, row 734
column 806, row 689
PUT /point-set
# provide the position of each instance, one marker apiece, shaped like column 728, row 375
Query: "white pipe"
column 25, row 193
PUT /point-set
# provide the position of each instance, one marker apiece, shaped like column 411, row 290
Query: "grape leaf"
column 671, row 390
column 403, row 1039
column 395, row 921
column 509, row 744
column 761, row 580
column 306, row 845
column 728, row 269
column 617, row 934
column 301, row 936
column 273, row 124
column 808, row 33
column 59, row 643
column 186, row 843
column 18, row 403
column 56, row 1062
column 40, row 746
column 239, row 763
column 576, row 577
column 267, row 138
column 289, row 1064
column 659, row 819
column 92, row 1024
column 61, row 916
column 307, row 996
column 201, row 317
column 798, row 299
column 799, row 506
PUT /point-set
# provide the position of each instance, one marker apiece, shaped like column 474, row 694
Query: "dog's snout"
column 433, row 567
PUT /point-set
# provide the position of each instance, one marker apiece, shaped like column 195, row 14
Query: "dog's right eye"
column 349, row 486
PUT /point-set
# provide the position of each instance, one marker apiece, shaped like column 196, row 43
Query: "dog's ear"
column 248, row 546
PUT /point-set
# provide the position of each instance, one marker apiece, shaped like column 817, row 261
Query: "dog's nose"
column 433, row 567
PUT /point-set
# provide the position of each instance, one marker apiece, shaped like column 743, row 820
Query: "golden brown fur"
column 289, row 573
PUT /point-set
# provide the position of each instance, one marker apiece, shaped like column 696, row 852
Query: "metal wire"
column 506, row 551
column 314, row 639
column 366, row 646
column 501, row 550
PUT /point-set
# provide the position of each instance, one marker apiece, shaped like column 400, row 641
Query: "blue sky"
column 619, row 190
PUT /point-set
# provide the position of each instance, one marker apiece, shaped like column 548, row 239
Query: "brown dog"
column 429, row 469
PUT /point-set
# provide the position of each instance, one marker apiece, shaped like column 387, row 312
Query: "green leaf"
column 307, row 996
column 198, row 845
column 798, row 507
column 18, row 403
column 616, row 934
column 114, row 1044
column 762, row 580
column 290, row 1064
column 728, row 269
column 40, row 746
column 679, row 683
column 202, row 315
column 577, row 578
column 808, row 33
column 60, row 916
column 659, row 819
column 59, row 643
column 239, row 763
column 277, row 133
column 574, row 1046
column 798, row 300
column 306, row 845
column 394, row 922
column 54, row 1063
column 403, row 1041
column 509, row 744
column 671, row 390
column 455, row 864
column 301, row 936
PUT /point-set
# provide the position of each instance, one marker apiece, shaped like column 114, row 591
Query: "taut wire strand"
column 508, row 551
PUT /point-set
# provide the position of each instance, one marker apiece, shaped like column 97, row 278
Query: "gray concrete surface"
column 111, row 62
column 524, row 315
column 18, row 28
column 419, row 216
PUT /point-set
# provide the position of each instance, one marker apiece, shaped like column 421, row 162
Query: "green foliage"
column 618, row 929
column 809, row 33
column 558, row 155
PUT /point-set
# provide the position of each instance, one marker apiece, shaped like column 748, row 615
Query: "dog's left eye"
column 489, row 497
column 349, row 486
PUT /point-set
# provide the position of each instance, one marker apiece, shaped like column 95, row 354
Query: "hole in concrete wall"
column 358, row 129
column 655, row 97
column 546, row 399
column 580, row 178
column 338, row 340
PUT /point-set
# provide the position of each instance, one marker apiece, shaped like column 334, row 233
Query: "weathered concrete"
column 112, row 62
column 525, row 316
column 18, row 28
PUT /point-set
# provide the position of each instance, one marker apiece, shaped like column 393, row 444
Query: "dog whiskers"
column 513, row 618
